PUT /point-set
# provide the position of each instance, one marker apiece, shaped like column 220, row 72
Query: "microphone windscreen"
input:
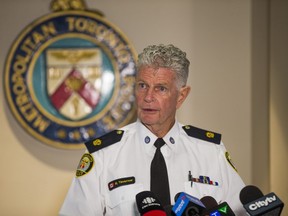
column 213, row 208
column 256, row 204
column 149, row 205
column 250, row 193
column 187, row 205
column 209, row 202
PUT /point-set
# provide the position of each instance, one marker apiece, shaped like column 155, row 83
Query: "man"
column 118, row 165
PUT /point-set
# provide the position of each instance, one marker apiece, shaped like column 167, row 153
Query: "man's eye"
column 142, row 85
column 162, row 88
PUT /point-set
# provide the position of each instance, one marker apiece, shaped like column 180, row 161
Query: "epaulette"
column 104, row 141
column 202, row 134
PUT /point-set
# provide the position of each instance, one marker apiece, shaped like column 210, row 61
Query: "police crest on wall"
column 69, row 76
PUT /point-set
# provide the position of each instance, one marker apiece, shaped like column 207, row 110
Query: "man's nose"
column 149, row 95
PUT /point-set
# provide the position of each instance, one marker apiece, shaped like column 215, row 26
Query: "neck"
column 159, row 130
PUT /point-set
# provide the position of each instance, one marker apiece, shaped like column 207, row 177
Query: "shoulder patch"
column 85, row 165
column 104, row 141
column 202, row 134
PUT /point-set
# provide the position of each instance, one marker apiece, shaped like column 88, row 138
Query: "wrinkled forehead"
column 156, row 73
column 151, row 70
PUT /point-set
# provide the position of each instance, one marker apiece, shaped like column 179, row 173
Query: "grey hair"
column 166, row 56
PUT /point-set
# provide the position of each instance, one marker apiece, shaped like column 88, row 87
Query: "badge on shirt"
column 85, row 165
column 121, row 182
column 228, row 158
column 204, row 180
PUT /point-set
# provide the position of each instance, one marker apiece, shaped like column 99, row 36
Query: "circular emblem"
column 85, row 165
column 70, row 77
column 147, row 139
column 171, row 139
column 97, row 142
column 210, row 134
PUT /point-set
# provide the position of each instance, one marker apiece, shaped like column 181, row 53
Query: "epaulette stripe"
column 202, row 134
column 104, row 141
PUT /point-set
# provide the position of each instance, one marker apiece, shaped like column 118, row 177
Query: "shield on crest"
column 74, row 80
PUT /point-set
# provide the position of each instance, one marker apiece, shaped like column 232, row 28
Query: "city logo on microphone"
column 70, row 76
column 149, row 202
column 219, row 211
column 262, row 203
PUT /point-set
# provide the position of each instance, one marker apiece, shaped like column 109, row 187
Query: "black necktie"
column 159, row 176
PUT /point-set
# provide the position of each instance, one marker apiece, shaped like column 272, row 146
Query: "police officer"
column 117, row 166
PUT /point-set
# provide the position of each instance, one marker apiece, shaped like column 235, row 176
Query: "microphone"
column 213, row 209
column 256, row 204
column 149, row 205
column 209, row 202
column 187, row 205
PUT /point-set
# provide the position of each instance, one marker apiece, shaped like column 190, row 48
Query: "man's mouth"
column 149, row 110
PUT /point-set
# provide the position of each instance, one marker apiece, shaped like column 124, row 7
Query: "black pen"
column 190, row 178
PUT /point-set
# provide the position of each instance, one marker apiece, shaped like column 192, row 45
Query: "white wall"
column 217, row 36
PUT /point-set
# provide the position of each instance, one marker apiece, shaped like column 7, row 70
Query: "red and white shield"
column 74, row 80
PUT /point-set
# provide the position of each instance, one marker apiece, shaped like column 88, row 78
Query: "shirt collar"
column 147, row 138
column 172, row 137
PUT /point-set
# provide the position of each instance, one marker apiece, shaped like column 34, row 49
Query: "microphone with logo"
column 187, row 205
column 213, row 209
column 256, row 204
column 149, row 205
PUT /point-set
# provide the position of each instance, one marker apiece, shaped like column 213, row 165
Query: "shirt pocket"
column 200, row 190
column 122, row 201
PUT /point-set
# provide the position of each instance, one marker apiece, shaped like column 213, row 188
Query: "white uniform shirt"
column 121, row 170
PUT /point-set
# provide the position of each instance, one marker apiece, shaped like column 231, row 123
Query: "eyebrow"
column 156, row 84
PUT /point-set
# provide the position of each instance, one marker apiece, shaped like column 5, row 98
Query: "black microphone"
column 187, row 205
column 209, row 202
column 149, row 205
column 256, row 204
column 213, row 209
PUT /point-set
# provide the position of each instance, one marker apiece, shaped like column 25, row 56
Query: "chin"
column 148, row 121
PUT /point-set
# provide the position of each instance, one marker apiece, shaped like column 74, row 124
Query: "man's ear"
column 183, row 93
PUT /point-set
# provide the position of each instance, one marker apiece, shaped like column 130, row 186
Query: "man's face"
column 157, row 97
